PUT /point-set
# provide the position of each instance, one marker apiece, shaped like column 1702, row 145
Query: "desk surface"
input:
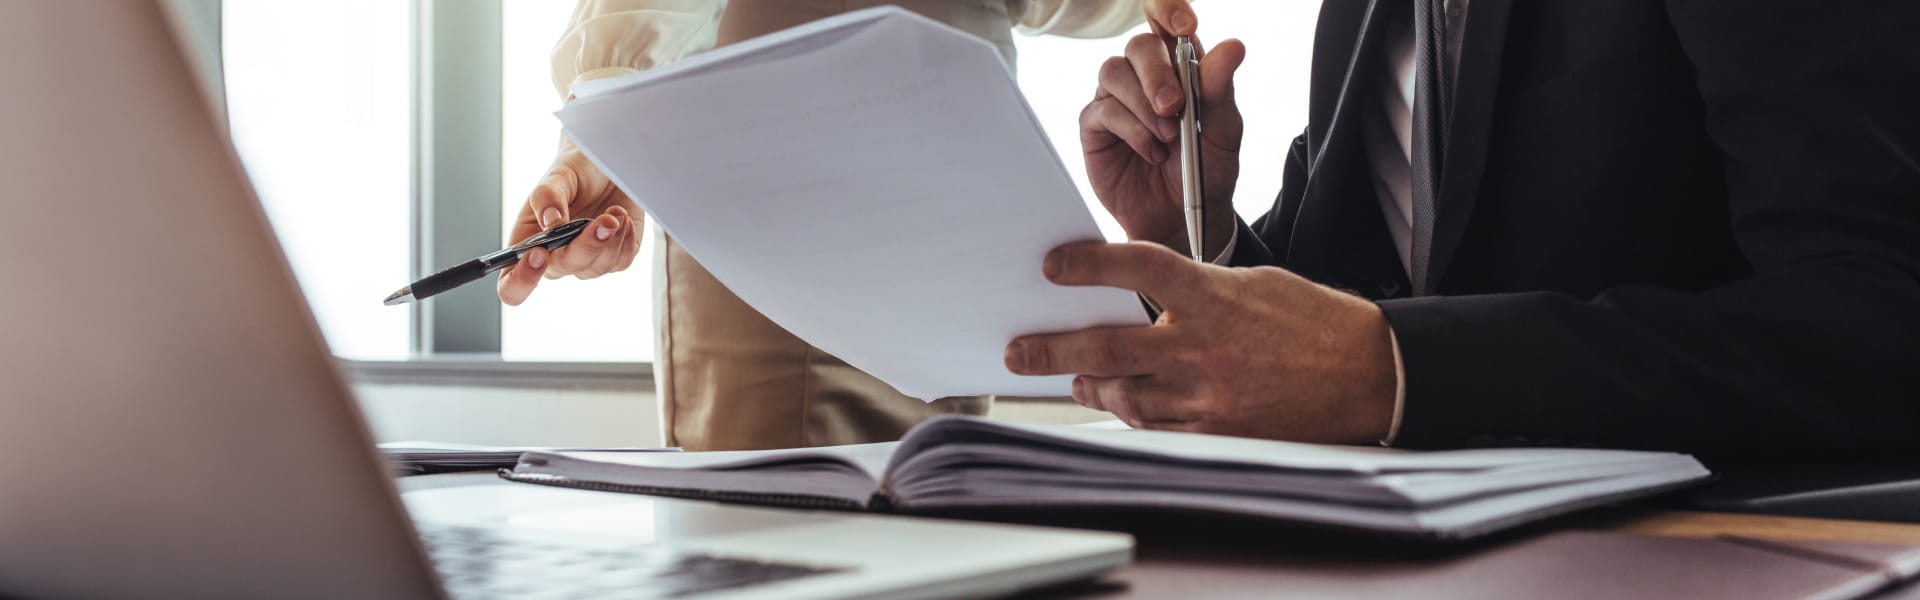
column 1193, row 570
column 1679, row 523
column 1164, row 569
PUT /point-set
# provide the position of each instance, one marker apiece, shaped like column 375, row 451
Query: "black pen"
column 470, row 271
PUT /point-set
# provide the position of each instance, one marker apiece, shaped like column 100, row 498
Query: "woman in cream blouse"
column 728, row 378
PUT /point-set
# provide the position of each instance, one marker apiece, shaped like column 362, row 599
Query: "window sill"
column 490, row 371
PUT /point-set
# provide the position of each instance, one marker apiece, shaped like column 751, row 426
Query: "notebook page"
column 887, row 197
column 844, row 475
column 871, row 458
column 1199, row 449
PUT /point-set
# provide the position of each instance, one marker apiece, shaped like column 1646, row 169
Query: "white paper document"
column 873, row 182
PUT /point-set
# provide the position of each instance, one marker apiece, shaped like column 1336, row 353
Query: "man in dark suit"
column 1670, row 224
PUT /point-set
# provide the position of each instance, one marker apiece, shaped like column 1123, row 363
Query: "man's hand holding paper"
column 1251, row 352
column 1248, row 352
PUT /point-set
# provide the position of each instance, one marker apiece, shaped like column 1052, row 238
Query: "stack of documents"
column 959, row 462
column 419, row 458
column 874, row 183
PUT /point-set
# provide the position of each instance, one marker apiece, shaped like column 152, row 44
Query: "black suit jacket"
column 1679, row 224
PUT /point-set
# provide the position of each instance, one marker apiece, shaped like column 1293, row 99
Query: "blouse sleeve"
column 609, row 38
column 1082, row 18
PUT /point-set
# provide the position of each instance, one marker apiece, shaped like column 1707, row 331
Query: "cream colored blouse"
column 609, row 38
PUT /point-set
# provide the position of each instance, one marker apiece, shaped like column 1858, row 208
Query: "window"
column 318, row 98
column 607, row 319
column 322, row 101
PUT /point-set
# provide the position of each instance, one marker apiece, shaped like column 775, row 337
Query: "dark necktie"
column 1429, row 129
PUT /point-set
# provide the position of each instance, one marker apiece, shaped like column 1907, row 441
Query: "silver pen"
column 1188, row 69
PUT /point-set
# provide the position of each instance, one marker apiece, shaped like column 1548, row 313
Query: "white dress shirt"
column 1389, row 142
column 1389, row 132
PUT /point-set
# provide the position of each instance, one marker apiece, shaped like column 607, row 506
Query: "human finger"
column 1148, row 56
column 547, row 205
column 1171, row 278
column 1107, row 118
column 552, row 199
column 1179, row 426
column 609, row 260
column 630, row 242
column 1120, row 81
column 1220, row 115
column 1142, row 399
column 598, row 238
column 1172, row 17
column 518, row 281
column 1102, row 351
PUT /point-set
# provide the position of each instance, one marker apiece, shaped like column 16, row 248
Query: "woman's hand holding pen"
column 574, row 186
column 1130, row 133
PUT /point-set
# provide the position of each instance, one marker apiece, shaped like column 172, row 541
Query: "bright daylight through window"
column 318, row 96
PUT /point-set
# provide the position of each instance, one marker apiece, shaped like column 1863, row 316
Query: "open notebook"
column 961, row 462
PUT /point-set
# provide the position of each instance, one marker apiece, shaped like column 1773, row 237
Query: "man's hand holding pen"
column 1130, row 133
column 1256, row 352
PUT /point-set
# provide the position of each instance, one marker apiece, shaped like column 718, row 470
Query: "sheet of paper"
column 871, row 458
column 1205, row 450
column 874, row 183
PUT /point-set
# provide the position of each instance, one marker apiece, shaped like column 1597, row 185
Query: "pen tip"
column 403, row 296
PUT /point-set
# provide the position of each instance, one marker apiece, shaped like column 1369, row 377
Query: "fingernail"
column 1164, row 99
column 603, row 233
column 1169, row 129
column 550, row 218
column 536, row 259
column 1183, row 21
column 1056, row 260
column 1016, row 356
column 1080, row 391
column 1158, row 154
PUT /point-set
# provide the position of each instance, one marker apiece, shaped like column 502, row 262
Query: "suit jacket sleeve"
column 1250, row 246
column 1818, row 353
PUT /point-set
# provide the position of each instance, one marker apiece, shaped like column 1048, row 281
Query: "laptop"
column 173, row 425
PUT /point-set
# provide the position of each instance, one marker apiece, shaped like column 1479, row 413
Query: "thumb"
column 1171, row 18
column 552, row 199
column 1219, row 114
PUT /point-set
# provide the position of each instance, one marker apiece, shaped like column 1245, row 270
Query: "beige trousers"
column 728, row 378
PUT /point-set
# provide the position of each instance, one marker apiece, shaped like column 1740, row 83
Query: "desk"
column 1192, row 571
column 1680, row 523
column 1172, row 569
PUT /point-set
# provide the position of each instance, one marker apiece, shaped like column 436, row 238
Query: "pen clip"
column 553, row 237
column 1188, row 65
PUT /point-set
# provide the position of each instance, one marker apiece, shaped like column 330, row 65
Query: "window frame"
column 456, row 168
column 455, row 101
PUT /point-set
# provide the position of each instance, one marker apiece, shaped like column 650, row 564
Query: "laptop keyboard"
column 476, row 563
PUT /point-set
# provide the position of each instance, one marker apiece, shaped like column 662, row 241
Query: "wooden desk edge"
column 1682, row 523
